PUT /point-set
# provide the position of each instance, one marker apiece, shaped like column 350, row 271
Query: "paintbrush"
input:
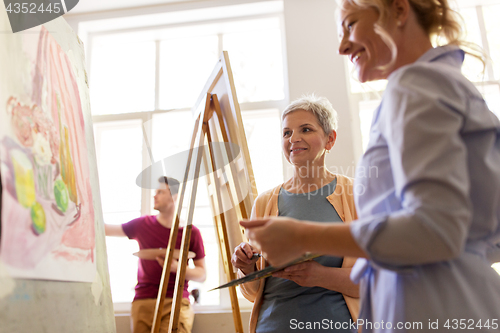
column 256, row 255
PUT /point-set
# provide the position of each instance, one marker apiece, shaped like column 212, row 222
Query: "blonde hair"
column 442, row 24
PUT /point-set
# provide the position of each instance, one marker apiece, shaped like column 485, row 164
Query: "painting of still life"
column 47, row 216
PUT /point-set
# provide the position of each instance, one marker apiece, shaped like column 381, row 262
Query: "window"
column 481, row 28
column 143, row 82
column 110, row 82
column 121, row 199
column 185, row 64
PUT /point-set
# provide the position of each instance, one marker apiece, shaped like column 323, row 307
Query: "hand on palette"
column 305, row 274
column 173, row 267
column 243, row 259
column 278, row 238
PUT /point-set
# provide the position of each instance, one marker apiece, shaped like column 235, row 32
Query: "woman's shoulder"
column 344, row 187
column 266, row 195
column 431, row 79
column 417, row 89
column 344, row 179
column 264, row 201
column 345, row 183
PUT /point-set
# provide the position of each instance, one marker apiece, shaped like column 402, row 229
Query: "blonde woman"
column 429, row 221
column 318, row 292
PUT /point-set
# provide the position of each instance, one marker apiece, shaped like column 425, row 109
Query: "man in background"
column 153, row 231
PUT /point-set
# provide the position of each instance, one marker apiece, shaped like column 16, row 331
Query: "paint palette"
column 151, row 254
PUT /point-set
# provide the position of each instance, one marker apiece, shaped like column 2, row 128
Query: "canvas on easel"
column 48, row 214
column 219, row 146
column 53, row 263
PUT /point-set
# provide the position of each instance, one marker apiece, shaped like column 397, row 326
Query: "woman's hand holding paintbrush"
column 279, row 238
column 245, row 257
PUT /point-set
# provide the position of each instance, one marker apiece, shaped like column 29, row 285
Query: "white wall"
column 315, row 66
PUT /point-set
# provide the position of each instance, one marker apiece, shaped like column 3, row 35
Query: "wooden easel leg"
column 222, row 236
column 200, row 133
column 230, row 275
column 186, row 235
column 233, row 183
column 197, row 133
column 179, row 280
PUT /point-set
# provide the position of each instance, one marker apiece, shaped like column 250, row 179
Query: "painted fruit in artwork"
column 38, row 218
column 24, row 178
column 61, row 195
column 67, row 169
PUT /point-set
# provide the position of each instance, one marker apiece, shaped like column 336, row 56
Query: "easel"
column 217, row 131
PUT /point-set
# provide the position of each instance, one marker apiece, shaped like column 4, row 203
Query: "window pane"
column 491, row 94
column 257, row 61
column 491, row 14
column 366, row 110
column 263, row 129
column 185, row 65
column 118, row 166
column 122, row 77
column 203, row 219
column 172, row 133
column 496, row 266
column 472, row 67
column 121, row 261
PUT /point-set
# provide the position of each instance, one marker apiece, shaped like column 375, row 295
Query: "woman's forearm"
column 330, row 239
column 283, row 239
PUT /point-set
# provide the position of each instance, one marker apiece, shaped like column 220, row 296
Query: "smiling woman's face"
column 359, row 41
column 303, row 140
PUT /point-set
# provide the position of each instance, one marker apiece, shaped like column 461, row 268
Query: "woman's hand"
column 242, row 258
column 278, row 237
column 306, row 274
column 313, row 274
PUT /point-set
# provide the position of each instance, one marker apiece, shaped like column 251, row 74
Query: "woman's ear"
column 401, row 10
column 332, row 137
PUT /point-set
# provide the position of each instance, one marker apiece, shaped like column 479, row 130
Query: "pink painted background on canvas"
column 47, row 206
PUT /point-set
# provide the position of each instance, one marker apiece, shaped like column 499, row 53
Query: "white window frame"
column 146, row 118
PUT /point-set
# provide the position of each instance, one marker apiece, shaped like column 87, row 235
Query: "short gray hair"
column 319, row 106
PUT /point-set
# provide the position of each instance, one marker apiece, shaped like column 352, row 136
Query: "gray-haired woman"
column 430, row 221
column 317, row 294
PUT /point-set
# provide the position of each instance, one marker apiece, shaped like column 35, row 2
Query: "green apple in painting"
column 61, row 195
column 38, row 218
